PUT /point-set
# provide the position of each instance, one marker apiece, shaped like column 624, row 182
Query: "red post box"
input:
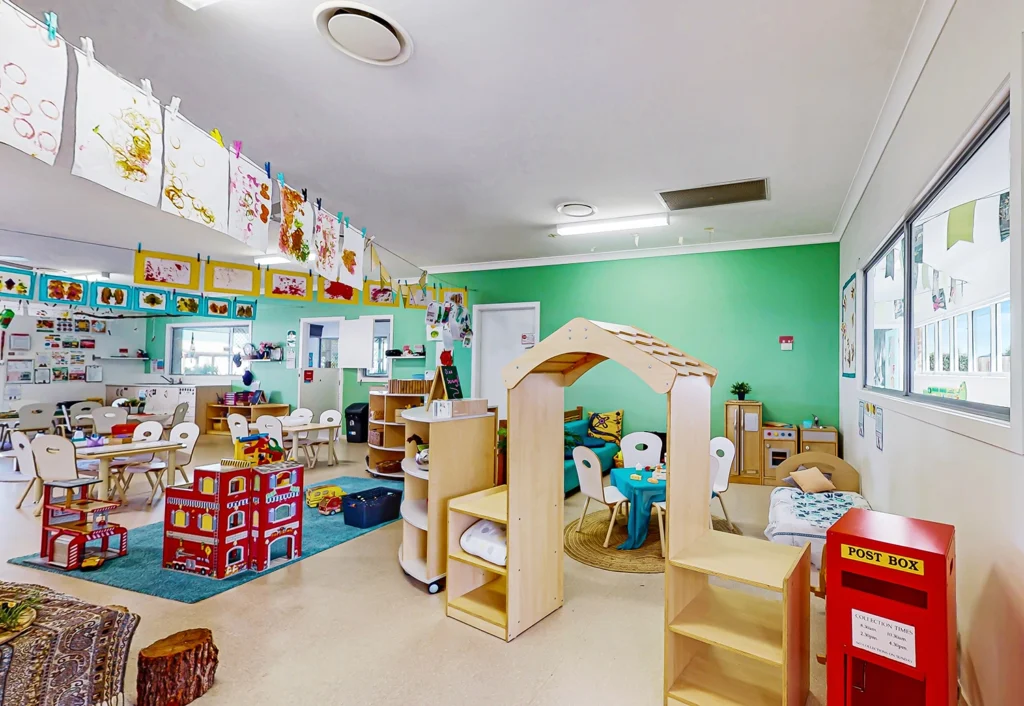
column 891, row 611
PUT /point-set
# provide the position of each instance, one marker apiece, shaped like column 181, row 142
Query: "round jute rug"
column 585, row 546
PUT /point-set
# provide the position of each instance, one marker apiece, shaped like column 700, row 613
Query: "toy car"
column 92, row 563
column 329, row 506
column 315, row 495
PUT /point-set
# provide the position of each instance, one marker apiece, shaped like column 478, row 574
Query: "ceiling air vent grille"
column 716, row 194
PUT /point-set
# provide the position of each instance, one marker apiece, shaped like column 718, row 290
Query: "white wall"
column 937, row 465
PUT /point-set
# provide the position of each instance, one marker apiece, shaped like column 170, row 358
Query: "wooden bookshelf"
column 477, row 589
column 461, row 462
column 386, row 417
column 217, row 414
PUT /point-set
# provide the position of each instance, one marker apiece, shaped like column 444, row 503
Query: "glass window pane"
column 1005, row 324
column 929, row 348
column 919, row 348
column 960, row 267
column 885, row 319
column 207, row 350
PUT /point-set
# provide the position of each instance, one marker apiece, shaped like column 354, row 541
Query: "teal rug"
column 140, row 570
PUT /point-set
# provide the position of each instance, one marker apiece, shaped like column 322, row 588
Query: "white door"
column 499, row 332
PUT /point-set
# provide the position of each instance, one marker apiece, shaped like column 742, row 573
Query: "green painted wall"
column 728, row 309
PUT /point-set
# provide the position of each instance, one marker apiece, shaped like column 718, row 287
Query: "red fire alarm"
column 786, row 343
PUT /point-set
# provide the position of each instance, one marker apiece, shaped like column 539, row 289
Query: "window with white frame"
column 206, row 349
column 382, row 335
column 955, row 274
column 282, row 512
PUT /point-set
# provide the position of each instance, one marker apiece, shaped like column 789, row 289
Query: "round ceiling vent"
column 576, row 209
column 363, row 33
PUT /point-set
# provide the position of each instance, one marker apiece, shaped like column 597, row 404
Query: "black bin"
column 371, row 507
column 357, row 419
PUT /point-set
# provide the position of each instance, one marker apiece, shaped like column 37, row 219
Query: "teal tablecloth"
column 640, row 494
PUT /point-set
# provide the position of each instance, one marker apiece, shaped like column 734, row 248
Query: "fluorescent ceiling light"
column 654, row 221
column 270, row 260
column 197, row 4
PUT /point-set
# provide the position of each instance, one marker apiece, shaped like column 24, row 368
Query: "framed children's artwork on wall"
column 158, row 269
column 188, row 303
column 848, row 328
column 244, row 309
column 151, row 299
column 231, row 278
column 417, row 297
column 285, row 284
column 107, row 295
column 379, row 294
column 455, row 296
column 63, row 290
column 18, row 284
column 336, row 293
column 219, row 307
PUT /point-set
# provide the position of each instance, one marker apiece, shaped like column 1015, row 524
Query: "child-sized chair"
column 324, row 437
column 186, row 433
column 147, row 464
column 55, row 460
column 641, row 448
column 238, row 425
column 588, row 467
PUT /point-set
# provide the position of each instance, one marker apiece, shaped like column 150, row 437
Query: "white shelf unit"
column 385, row 417
column 462, row 457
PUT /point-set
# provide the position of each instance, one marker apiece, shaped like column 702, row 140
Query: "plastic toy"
column 258, row 449
column 316, row 495
column 73, row 519
column 232, row 519
column 91, row 563
column 329, row 506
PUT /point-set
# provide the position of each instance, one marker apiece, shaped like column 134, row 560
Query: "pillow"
column 486, row 540
column 811, row 480
column 606, row 425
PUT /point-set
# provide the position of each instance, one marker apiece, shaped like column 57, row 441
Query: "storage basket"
column 371, row 507
column 408, row 387
column 375, row 437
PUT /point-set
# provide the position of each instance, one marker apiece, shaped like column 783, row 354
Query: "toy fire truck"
column 234, row 518
column 72, row 519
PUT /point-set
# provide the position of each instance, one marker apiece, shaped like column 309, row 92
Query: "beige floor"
column 347, row 627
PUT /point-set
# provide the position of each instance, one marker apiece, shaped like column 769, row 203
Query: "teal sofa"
column 605, row 451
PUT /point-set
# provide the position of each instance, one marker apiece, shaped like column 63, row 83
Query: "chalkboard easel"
column 446, row 384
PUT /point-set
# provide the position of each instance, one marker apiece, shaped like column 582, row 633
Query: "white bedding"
column 486, row 540
column 797, row 518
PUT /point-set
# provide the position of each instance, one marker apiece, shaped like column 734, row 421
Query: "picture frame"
column 107, row 295
column 375, row 293
column 455, row 295
column 189, row 303
column 848, row 328
column 159, row 269
column 288, row 284
column 243, row 309
column 218, row 307
column 17, row 284
column 336, row 293
column 98, row 326
column 231, row 278
column 151, row 300
column 416, row 297
column 57, row 289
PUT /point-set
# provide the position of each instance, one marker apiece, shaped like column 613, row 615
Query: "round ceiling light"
column 576, row 209
column 363, row 33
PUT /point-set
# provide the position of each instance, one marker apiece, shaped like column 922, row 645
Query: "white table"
column 104, row 454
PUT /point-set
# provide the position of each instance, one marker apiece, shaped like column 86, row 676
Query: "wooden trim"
column 574, row 415
column 844, row 476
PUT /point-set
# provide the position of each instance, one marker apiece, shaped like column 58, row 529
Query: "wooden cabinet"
column 743, row 420
column 823, row 439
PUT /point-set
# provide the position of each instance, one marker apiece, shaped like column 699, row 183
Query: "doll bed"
column 797, row 518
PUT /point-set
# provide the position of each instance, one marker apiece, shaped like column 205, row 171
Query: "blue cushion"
column 579, row 428
column 592, row 443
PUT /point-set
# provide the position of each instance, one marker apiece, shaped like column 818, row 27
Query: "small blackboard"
column 452, row 386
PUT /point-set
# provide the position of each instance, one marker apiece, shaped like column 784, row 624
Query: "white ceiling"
column 503, row 111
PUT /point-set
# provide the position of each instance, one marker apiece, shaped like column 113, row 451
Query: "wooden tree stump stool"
column 178, row 669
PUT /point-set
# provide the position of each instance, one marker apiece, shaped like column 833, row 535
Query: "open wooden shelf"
column 721, row 678
column 486, row 602
column 414, row 469
column 490, row 504
column 415, row 513
column 737, row 558
column 736, row 621
column 478, row 562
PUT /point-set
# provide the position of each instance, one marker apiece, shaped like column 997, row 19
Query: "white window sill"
column 994, row 432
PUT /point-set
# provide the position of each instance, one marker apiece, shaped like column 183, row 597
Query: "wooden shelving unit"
column 386, row 416
column 217, row 414
column 477, row 589
column 461, row 462
column 725, row 645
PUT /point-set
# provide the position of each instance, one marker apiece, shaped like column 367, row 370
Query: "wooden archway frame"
column 536, row 383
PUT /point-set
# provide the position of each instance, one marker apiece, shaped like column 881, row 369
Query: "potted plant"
column 15, row 616
column 136, row 405
column 740, row 389
column 502, row 450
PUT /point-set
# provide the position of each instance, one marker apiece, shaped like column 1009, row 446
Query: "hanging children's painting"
column 33, row 78
column 455, row 296
column 282, row 284
column 150, row 299
column 118, row 133
column 188, row 303
column 248, row 202
column 18, row 284
column 160, row 269
column 336, row 293
column 62, row 290
column 417, row 297
column 231, row 278
column 195, row 170
column 848, row 327
column 108, row 295
column 244, row 309
column 380, row 294
column 218, row 307
column 350, row 271
column 297, row 223
column 326, row 241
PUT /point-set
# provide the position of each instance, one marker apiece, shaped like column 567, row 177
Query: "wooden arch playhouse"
column 714, row 644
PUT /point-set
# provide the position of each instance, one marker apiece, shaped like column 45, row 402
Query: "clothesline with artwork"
column 128, row 142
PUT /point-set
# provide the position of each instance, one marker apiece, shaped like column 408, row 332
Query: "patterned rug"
column 141, row 569
column 586, row 547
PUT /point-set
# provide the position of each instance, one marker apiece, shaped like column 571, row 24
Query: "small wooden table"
column 104, row 454
column 294, row 430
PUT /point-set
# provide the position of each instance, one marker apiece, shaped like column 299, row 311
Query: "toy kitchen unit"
column 780, row 442
column 164, row 397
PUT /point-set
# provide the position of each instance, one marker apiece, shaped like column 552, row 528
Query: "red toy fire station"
column 891, row 611
column 233, row 519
